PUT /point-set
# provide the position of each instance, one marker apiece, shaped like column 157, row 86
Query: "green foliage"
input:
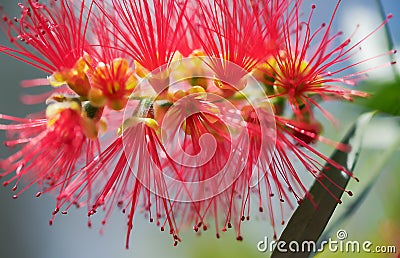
column 385, row 98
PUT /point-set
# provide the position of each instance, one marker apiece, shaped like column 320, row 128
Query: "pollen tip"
column 56, row 210
column 15, row 197
column 350, row 193
column 239, row 238
column 389, row 16
column 313, row 6
column 38, row 194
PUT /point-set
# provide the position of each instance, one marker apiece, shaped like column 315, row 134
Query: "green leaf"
column 307, row 222
column 386, row 97
column 376, row 170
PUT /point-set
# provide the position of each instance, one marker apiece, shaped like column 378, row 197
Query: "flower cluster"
column 187, row 111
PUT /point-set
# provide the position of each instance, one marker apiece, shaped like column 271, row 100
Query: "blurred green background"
column 24, row 229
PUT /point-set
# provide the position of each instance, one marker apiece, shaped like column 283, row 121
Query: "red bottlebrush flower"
column 52, row 38
column 238, row 32
column 292, row 140
column 135, row 182
column 111, row 71
column 106, row 42
column 276, row 180
column 170, row 184
column 51, row 148
column 55, row 31
column 190, row 153
column 307, row 65
column 112, row 84
column 149, row 31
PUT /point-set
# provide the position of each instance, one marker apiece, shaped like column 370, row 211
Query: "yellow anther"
column 53, row 110
column 151, row 123
column 102, row 125
column 97, row 97
column 196, row 89
column 294, row 76
column 113, row 84
column 131, row 83
column 57, row 79
column 120, row 66
column 89, row 128
column 264, row 72
column 134, row 121
column 197, row 53
column 140, row 70
column 177, row 95
column 177, row 56
column 117, row 104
